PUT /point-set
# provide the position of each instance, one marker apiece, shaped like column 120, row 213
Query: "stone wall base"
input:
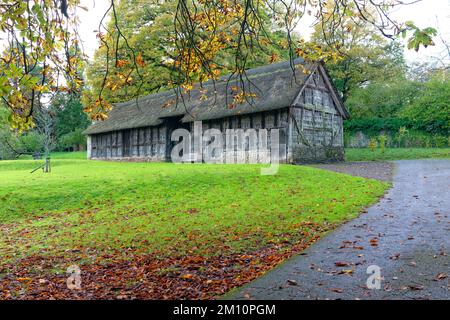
column 318, row 154
column 131, row 159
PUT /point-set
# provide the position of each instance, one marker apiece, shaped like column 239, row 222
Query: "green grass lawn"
column 165, row 207
column 91, row 211
column 365, row 154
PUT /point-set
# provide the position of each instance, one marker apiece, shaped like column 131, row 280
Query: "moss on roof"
column 275, row 85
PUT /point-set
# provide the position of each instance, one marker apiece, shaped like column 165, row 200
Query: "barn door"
column 172, row 124
column 126, row 143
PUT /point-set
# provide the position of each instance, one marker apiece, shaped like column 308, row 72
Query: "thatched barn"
column 304, row 106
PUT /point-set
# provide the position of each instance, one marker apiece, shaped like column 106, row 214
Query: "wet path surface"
column 407, row 235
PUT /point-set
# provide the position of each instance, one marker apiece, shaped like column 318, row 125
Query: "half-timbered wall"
column 146, row 143
column 259, row 150
column 151, row 143
column 316, row 125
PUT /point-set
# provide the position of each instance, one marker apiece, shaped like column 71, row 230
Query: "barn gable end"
column 317, row 114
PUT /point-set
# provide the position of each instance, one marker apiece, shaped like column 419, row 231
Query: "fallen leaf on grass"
column 24, row 279
column 192, row 210
column 147, row 276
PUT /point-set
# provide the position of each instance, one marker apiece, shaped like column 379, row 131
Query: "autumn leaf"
column 341, row 264
column 292, row 282
column 192, row 210
column 373, row 242
column 274, row 58
column 416, row 287
column 121, row 63
column 139, row 60
column 440, row 276
column 346, row 271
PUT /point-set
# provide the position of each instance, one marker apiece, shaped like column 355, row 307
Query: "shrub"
column 440, row 141
column 406, row 139
column 402, row 132
column 32, row 142
column 431, row 110
column 373, row 144
column 7, row 140
column 382, row 140
column 74, row 138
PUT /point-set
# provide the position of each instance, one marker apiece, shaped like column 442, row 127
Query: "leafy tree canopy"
column 382, row 99
column 150, row 32
column 69, row 114
column 44, row 33
column 431, row 110
column 366, row 55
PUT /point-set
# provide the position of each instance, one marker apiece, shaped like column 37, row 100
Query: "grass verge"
column 365, row 154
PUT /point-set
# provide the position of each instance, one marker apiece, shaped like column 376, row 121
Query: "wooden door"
column 126, row 143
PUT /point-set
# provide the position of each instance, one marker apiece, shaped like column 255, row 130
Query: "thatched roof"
column 276, row 86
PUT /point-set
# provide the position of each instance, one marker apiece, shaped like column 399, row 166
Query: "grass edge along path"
column 365, row 154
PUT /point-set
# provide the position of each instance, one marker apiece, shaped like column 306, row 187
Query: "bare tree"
column 45, row 119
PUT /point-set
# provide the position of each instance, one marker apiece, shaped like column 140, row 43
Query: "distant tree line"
column 409, row 104
column 412, row 112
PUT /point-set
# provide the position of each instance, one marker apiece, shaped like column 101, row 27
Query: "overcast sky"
column 434, row 13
